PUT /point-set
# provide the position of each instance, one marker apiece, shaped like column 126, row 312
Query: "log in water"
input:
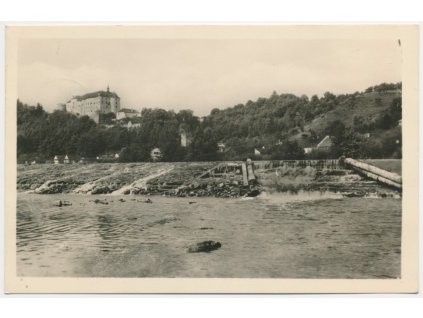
column 376, row 173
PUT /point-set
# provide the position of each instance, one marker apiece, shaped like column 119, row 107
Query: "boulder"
column 97, row 201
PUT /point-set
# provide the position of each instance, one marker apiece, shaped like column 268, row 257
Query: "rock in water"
column 58, row 203
column 97, row 201
column 206, row 246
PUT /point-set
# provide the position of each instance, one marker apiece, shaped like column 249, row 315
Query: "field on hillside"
column 391, row 165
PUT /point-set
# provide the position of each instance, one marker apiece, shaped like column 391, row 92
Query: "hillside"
column 268, row 123
column 368, row 106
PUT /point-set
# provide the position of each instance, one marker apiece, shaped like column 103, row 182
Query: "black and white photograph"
column 218, row 152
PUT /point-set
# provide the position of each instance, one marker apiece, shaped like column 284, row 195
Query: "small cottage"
column 221, row 147
column 58, row 159
column 325, row 144
column 156, row 154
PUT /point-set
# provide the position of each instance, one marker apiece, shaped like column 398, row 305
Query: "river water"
column 307, row 235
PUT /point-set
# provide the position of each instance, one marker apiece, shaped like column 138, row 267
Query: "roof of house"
column 326, row 142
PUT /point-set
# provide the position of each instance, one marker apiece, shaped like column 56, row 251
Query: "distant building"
column 186, row 137
column 221, row 147
column 325, row 144
column 109, row 157
column 127, row 113
column 129, row 125
column 257, row 152
column 58, row 159
column 156, row 154
column 94, row 104
column 308, row 150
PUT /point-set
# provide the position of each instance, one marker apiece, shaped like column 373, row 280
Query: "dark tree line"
column 267, row 124
column 43, row 135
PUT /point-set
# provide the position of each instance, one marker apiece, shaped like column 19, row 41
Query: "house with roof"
column 309, row 145
column 129, row 125
column 126, row 113
column 325, row 144
column 221, row 147
column 156, row 154
column 93, row 104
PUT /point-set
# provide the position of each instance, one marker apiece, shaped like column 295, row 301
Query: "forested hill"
column 280, row 126
column 302, row 121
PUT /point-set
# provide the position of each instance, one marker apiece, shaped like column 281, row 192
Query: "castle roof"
column 95, row 94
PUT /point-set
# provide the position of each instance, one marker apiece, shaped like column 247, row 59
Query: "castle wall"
column 93, row 106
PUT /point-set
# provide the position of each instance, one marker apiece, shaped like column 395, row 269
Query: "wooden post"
column 250, row 170
column 244, row 174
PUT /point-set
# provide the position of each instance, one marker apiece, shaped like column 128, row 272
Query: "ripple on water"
column 307, row 235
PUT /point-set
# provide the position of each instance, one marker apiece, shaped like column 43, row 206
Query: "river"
column 306, row 235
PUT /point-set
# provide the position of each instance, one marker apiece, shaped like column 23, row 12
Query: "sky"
column 200, row 74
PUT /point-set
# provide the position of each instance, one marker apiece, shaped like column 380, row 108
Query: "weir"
column 332, row 164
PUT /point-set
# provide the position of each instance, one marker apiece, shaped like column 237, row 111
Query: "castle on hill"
column 94, row 104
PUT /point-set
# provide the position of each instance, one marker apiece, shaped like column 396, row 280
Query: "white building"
column 127, row 113
column 156, row 154
column 94, row 104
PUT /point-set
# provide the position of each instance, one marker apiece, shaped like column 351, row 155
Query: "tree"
column 107, row 119
column 91, row 143
column 289, row 150
column 203, row 146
